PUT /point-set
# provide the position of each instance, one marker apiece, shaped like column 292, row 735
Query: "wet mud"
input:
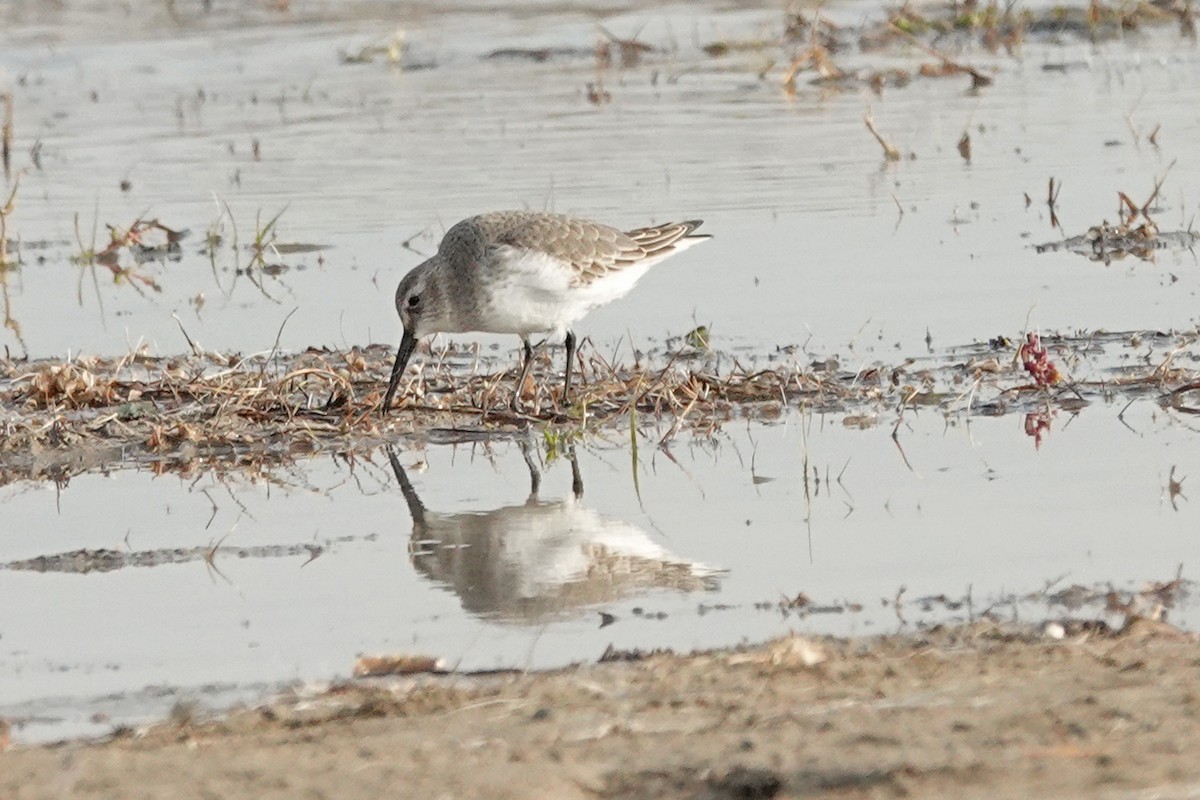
column 982, row 710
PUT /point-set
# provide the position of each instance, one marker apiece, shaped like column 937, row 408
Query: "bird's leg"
column 576, row 477
column 528, row 362
column 535, row 476
column 570, row 363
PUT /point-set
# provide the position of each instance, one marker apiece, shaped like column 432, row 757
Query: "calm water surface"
column 818, row 244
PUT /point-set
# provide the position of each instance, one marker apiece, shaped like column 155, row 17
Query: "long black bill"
column 407, row 344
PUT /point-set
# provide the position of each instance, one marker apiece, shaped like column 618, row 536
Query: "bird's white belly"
column 530, row 292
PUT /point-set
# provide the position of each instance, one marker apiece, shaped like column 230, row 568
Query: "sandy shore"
column 983, row 711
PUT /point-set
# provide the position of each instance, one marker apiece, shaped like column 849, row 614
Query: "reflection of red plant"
column 1036, row 362
column 1036, row 424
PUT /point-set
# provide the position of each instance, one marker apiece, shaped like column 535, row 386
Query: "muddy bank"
column 980, row 710
column 229, row 411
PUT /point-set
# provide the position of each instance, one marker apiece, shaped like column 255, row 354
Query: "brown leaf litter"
column 179, row 413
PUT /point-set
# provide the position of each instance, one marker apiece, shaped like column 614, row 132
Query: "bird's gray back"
column 578, row 242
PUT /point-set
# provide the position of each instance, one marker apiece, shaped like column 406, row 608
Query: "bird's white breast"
column 526, row 292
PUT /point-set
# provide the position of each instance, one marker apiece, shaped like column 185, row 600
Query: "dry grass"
column 8, row 263
column 181, row 412
column 6, row 210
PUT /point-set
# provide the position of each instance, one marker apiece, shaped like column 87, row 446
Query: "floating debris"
column 81, row 562
column 827, row 49
column 1106, row 243
column 392, row 51
column 539, row 54
column 1135, row 234
column 145, row 240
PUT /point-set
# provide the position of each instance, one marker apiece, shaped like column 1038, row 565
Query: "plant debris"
column 1135, row 233
column 379, row 666
column 144, row 240
column 1035, row 361
column 81, row 562
column 179, row 413
column 844, row 58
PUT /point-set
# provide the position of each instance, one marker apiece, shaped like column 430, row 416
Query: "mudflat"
column 981, row 710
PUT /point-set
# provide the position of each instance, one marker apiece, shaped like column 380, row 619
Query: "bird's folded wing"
column 592, row 250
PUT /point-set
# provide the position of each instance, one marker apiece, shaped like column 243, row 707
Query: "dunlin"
column 533, row 561
column 526, row 273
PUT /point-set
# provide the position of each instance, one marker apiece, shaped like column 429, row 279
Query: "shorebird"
column 537, row 561
column 526, row 272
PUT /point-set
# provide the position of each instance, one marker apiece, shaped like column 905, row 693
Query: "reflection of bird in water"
column 544, row 558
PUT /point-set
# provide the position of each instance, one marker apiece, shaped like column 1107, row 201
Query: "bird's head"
column 421, row 304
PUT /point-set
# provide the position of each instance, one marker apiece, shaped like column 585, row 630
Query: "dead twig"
column 889, row 151
column 948, row 65
column 6, row 134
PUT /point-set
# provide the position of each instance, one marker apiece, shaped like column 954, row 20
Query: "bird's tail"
column 662, row 240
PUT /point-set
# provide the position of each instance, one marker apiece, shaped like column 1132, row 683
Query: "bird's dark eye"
column 414, row 300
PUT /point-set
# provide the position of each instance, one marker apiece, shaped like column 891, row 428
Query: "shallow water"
column 718, row 538
column 810, row 249
column 810, row 246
